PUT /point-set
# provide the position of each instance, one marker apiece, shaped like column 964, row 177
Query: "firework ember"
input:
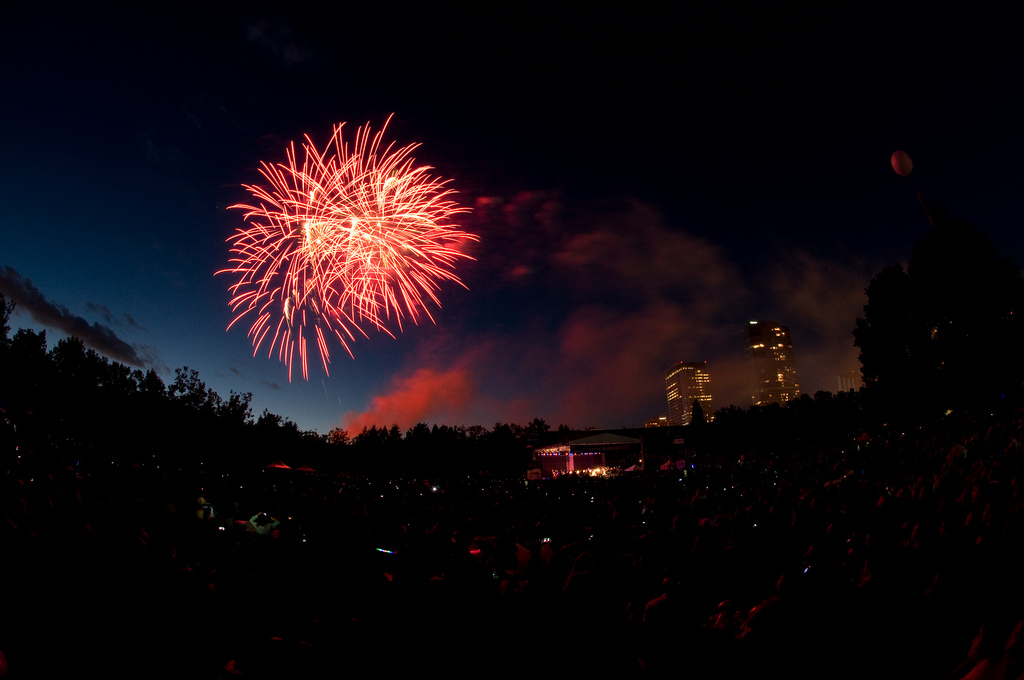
column 341, row 241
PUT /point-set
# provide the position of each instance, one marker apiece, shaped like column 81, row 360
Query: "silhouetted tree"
column 191, row 392
column 268, row 420
column 418, row 434
column 394, row 434
column 885, row 338
column 338, row 437
column 29, row 373
column 945, row 333
column 536, row 429
column 6, row 309
column 236, row 409
column 504, row 450
column 151, row 384
column 697, row 413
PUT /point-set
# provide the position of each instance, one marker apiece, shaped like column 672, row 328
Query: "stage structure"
column 590, row 454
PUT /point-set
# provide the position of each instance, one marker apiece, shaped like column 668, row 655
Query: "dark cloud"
column 123, row 320
column 636, row 294
column 151, row 359
column 98, row 337
column 276, row 40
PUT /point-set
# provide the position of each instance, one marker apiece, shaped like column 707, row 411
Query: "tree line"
column 96, row 413
column 942, row 335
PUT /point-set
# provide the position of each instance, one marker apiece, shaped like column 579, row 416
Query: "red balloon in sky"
column 901, row 163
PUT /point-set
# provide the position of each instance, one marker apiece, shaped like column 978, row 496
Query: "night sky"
column 643, row 184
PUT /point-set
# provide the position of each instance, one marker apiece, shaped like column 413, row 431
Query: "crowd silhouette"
column 896, row 554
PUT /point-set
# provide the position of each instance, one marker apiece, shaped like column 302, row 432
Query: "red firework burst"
column 340, row 241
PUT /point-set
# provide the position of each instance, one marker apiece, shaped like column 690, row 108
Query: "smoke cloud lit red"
column 639, row 295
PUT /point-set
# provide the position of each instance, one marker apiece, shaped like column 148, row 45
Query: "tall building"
column 686, row 383
column 770, row 351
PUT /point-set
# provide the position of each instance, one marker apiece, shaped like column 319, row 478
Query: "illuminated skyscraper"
column 770, row 350
column 686, row 383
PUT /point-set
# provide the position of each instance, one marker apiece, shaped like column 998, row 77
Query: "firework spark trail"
column 346, row 240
